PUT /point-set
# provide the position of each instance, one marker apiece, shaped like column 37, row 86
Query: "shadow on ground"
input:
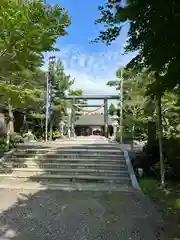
column 51, row 215
column 73, row 215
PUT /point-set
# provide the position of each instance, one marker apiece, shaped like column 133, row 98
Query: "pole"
column 50, row 93
column 69, row 123
column 73, row 118
column 47, row 108
column 160, row 139
column 106, row 117
column 121, row 107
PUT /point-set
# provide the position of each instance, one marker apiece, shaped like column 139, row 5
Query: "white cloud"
column 93, row 70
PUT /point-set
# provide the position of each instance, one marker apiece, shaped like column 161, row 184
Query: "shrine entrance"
column 98, row 130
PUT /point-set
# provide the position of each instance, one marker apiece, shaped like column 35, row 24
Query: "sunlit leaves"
column 20, row 97
column 27, row 30
column 154, row 32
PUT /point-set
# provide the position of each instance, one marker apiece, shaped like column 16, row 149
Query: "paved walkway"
column 76, row 215
column 54, row 215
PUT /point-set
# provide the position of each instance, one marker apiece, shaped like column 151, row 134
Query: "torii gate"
column 94, row 97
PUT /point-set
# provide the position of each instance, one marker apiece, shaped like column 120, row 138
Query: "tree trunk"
column 10, row 124
column 160, row 139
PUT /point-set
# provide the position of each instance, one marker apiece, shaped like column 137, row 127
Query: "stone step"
column 60, row 164
column 66, row 171
column 33, row 164
column 75, row 145
column 121, row 162
column 88, row 177
column 67, row 152
column 67, row 156
column 76, row 150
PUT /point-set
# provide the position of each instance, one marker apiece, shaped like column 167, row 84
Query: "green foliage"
column 170, row 200
column 112, row 110
column 149, row 160
column 126, row 137
column 138, row 108
column 56, row 134
column 15, row 138
column 134, row 89
column 61, row 85
column 28, row 29
column 19, row 97
column 77, row 111
column 151, row 34
column 2, row 143
column 167, row 204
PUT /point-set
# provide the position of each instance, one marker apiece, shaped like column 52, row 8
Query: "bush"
column 2, row 143
column 56, row 135
column 127, row 138
column 150, row 162
column 15, row 138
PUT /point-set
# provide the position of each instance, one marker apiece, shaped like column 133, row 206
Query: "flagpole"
column 47, row 107
column 121, row 106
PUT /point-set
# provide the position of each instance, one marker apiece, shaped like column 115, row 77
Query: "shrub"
column 2, row 143
column 15, row 138
column 56, row 134
column 150, row 162
column 127, row 138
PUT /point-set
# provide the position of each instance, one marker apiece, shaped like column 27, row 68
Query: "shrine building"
column 92, row 124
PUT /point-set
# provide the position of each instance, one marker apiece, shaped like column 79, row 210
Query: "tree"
column 112, row 109
column 28, row 28
column 137, row 97
column 74, row 104
column 133, row 97
column 61, row 86
column 151, row 34
column 170, row 113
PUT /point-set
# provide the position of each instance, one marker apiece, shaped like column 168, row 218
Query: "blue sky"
column 92, row 65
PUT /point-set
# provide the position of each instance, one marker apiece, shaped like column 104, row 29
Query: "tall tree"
column 133, row 96
column 138, row 96
column 61, row 86
column 151, row 34
column 28, row 28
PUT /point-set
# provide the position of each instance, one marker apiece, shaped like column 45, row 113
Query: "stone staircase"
column 82, row 163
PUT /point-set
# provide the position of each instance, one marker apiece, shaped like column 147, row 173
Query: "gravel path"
column 54, row 215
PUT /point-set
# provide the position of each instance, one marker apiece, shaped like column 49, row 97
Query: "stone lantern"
column 69, row 111
column 62, row 124
column 3, row 125
column 114, row 124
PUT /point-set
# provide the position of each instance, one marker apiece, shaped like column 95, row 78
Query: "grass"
column 167, row 203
